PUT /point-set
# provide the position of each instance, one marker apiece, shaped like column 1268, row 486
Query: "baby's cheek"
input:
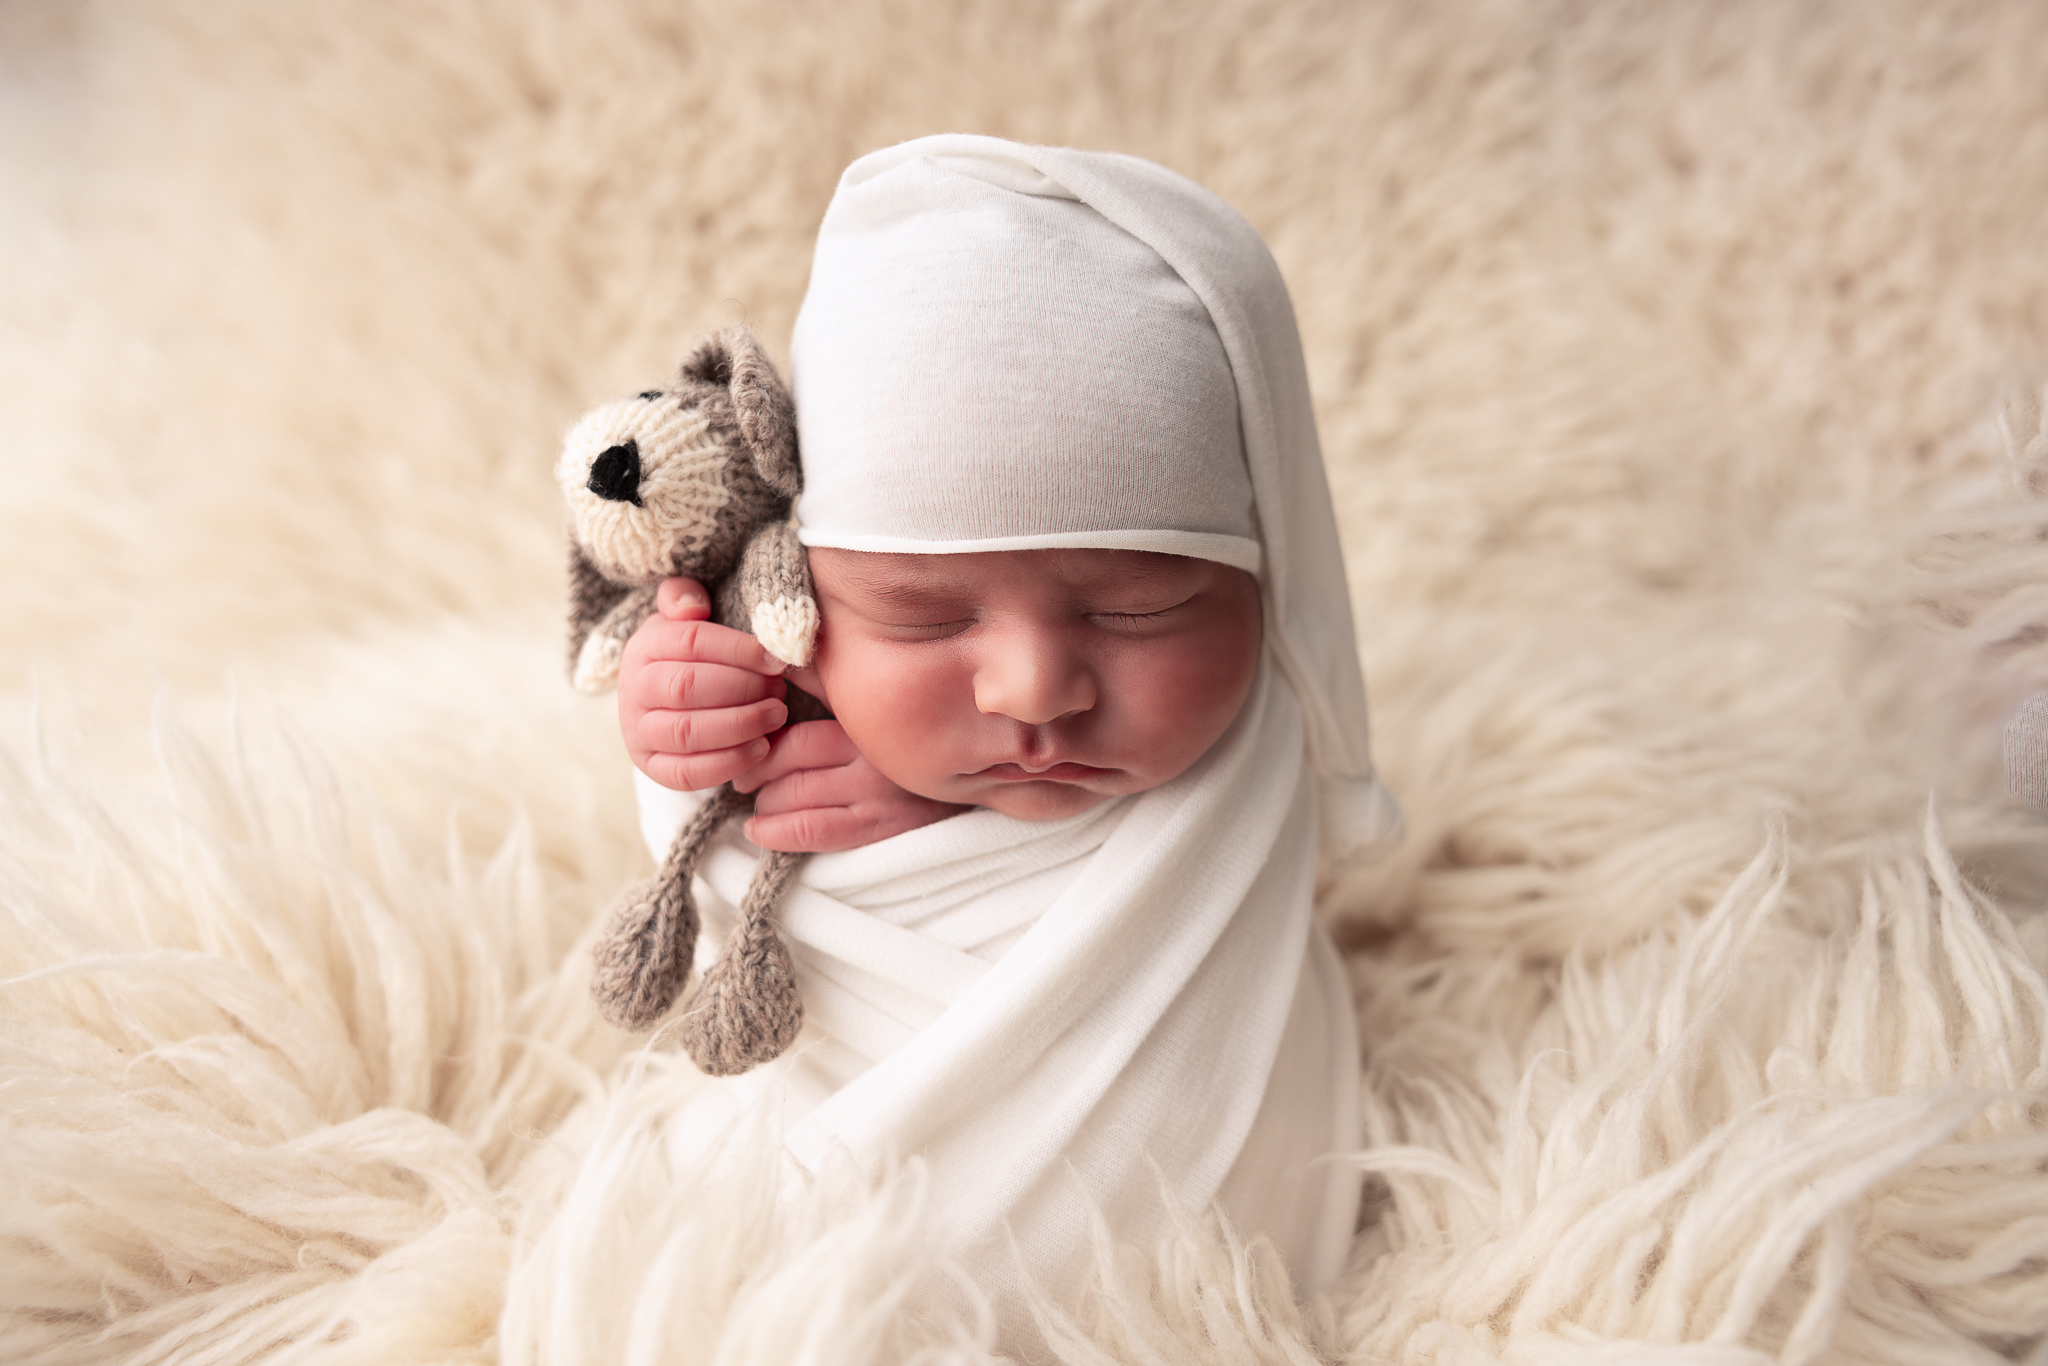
column 886, row 738
column 1189, row 697
column 900, row 726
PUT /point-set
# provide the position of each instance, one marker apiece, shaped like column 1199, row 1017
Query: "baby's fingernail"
column 758, row 750
column 775, row 666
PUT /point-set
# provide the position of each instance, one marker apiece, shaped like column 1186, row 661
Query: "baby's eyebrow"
column 1149, row 568
column 895, row 592
column 909, row 597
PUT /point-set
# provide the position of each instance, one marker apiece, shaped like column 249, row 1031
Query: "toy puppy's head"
column 675, row 480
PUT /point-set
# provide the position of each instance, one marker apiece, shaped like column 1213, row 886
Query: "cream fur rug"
column 1680, row 368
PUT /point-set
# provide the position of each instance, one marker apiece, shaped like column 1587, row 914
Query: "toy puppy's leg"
column 747, row 1009
column 644, row 958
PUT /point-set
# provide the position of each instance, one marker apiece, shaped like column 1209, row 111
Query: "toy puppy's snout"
column 615, row 474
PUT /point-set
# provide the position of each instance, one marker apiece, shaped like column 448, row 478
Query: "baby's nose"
column 1034, row 682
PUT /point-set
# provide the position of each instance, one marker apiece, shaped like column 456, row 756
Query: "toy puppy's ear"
column 767, row 417
column 760, row 403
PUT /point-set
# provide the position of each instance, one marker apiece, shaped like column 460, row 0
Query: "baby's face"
column 1036, row 682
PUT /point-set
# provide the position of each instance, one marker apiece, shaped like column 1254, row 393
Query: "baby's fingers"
column 820, row 810
column 847, row 785
column 663, row 685
column 681, row 599
column 702, row 731
column 701, row 642
column 696, row 772
column 828, row 829
column 809, row 745
column 813, row 830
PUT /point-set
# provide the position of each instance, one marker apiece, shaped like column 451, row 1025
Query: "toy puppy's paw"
column 597, row 663
column 788, row 628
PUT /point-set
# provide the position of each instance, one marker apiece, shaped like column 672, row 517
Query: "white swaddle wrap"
column 1011, row 347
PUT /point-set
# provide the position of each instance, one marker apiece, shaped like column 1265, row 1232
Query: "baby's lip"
column 1063, row 772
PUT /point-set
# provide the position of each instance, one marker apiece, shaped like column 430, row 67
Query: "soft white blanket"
column 1111, row 1017
column 1660, row 354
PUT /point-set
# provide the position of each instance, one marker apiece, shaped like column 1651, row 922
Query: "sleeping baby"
column 1097, row 711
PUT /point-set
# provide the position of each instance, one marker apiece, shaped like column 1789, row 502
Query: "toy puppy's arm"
column 770, row 594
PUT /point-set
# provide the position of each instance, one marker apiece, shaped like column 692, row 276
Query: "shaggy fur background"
column 1680, row 372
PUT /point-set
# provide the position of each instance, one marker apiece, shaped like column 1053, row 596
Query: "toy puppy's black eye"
column 615, row 474
column 648, row 393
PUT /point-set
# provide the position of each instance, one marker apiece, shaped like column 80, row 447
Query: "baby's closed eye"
column 1138, row 612
column 935, row 626
column 925, row 630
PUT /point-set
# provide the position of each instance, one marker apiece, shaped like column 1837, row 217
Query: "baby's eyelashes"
column 914, row 631
column 1139, row 616
column 924, row 630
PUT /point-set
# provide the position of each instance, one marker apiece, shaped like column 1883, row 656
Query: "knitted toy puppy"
column 694, row 479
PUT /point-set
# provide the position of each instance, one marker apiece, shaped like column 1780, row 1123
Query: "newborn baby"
column 1098, row 715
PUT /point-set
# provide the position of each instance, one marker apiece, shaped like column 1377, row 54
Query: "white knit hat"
column 1016, row 347
column 985, row 363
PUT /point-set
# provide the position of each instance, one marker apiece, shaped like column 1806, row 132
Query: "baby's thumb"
column 682, row 599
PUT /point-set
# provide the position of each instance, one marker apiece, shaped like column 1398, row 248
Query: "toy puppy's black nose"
column 615, row 474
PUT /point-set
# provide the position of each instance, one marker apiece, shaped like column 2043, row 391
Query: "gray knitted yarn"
column 2026, row 752
column 748, row 1009
column 643, row 961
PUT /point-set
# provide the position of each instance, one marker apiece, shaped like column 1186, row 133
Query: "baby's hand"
column 817, row 794
column 697, row 701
